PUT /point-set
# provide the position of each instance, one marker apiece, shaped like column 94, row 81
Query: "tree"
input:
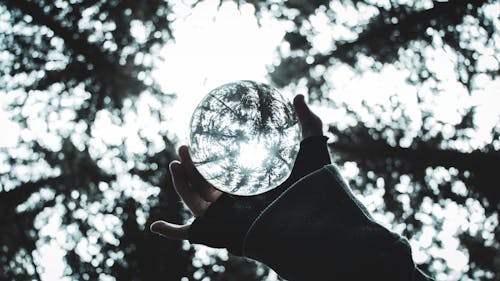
column 75, row 61
column 85, row 63
column 387, row 152
column 76, row 73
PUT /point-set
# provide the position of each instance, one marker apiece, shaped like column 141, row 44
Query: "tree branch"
column 381, row 39
column 110, row 73
column 482, row 165
column 405, row 28
column 22, row 192
column 74, row 41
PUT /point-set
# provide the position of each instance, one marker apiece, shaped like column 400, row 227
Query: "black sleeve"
column 318, row 230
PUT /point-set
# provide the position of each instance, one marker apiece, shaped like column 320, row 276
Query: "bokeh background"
column 96, row 96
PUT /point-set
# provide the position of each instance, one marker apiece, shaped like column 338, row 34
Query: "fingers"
column 205, row 189
column 310, row 123
column 170, row 230
column 194, row 190
column 193, row 201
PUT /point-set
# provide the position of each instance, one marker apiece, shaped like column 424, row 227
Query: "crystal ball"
column 244, row 137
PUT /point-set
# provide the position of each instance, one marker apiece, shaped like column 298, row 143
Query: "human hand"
column 221, row 219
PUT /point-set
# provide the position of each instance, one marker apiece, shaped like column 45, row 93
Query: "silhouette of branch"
column 74, row 41
column 78, row 44
column 405, row 27
column 23, row 191
column 483, row 165
column 382, row 38
column 226, row 106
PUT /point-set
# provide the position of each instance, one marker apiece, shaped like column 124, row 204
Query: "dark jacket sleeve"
column 318, row 230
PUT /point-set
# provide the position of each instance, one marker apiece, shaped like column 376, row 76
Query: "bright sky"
column 212, row 48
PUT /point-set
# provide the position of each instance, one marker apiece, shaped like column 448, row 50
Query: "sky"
column 215, row 45
column 210, row 49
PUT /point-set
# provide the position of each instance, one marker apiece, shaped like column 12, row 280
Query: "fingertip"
column 169, row 230
column 154, row 227
column 183, row 149
column 301, row 108
column 184, row 153
column 174, row 165
column 158, row 227
column 299, row 99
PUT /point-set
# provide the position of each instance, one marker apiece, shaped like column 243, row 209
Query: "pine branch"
column 74, row 41
column 381, row 38
column 110, row 73
column 405, row 28
column 482, row 165
column 427, row 157
column 23, row 191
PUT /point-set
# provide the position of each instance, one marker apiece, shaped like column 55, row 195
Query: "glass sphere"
column 244, row 137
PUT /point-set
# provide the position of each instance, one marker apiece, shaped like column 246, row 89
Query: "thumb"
column 310, row 123
column 170, row 230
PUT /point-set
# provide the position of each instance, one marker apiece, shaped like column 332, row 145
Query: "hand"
column 199, row 195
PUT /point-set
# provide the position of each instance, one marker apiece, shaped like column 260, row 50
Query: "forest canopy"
column 408, row 92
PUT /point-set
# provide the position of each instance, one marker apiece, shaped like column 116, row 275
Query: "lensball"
column 244, row 137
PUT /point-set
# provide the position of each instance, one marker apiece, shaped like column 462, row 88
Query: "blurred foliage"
column 88, row 190
column 441, row 162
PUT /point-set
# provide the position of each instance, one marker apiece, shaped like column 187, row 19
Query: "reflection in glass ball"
column 244, row 137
